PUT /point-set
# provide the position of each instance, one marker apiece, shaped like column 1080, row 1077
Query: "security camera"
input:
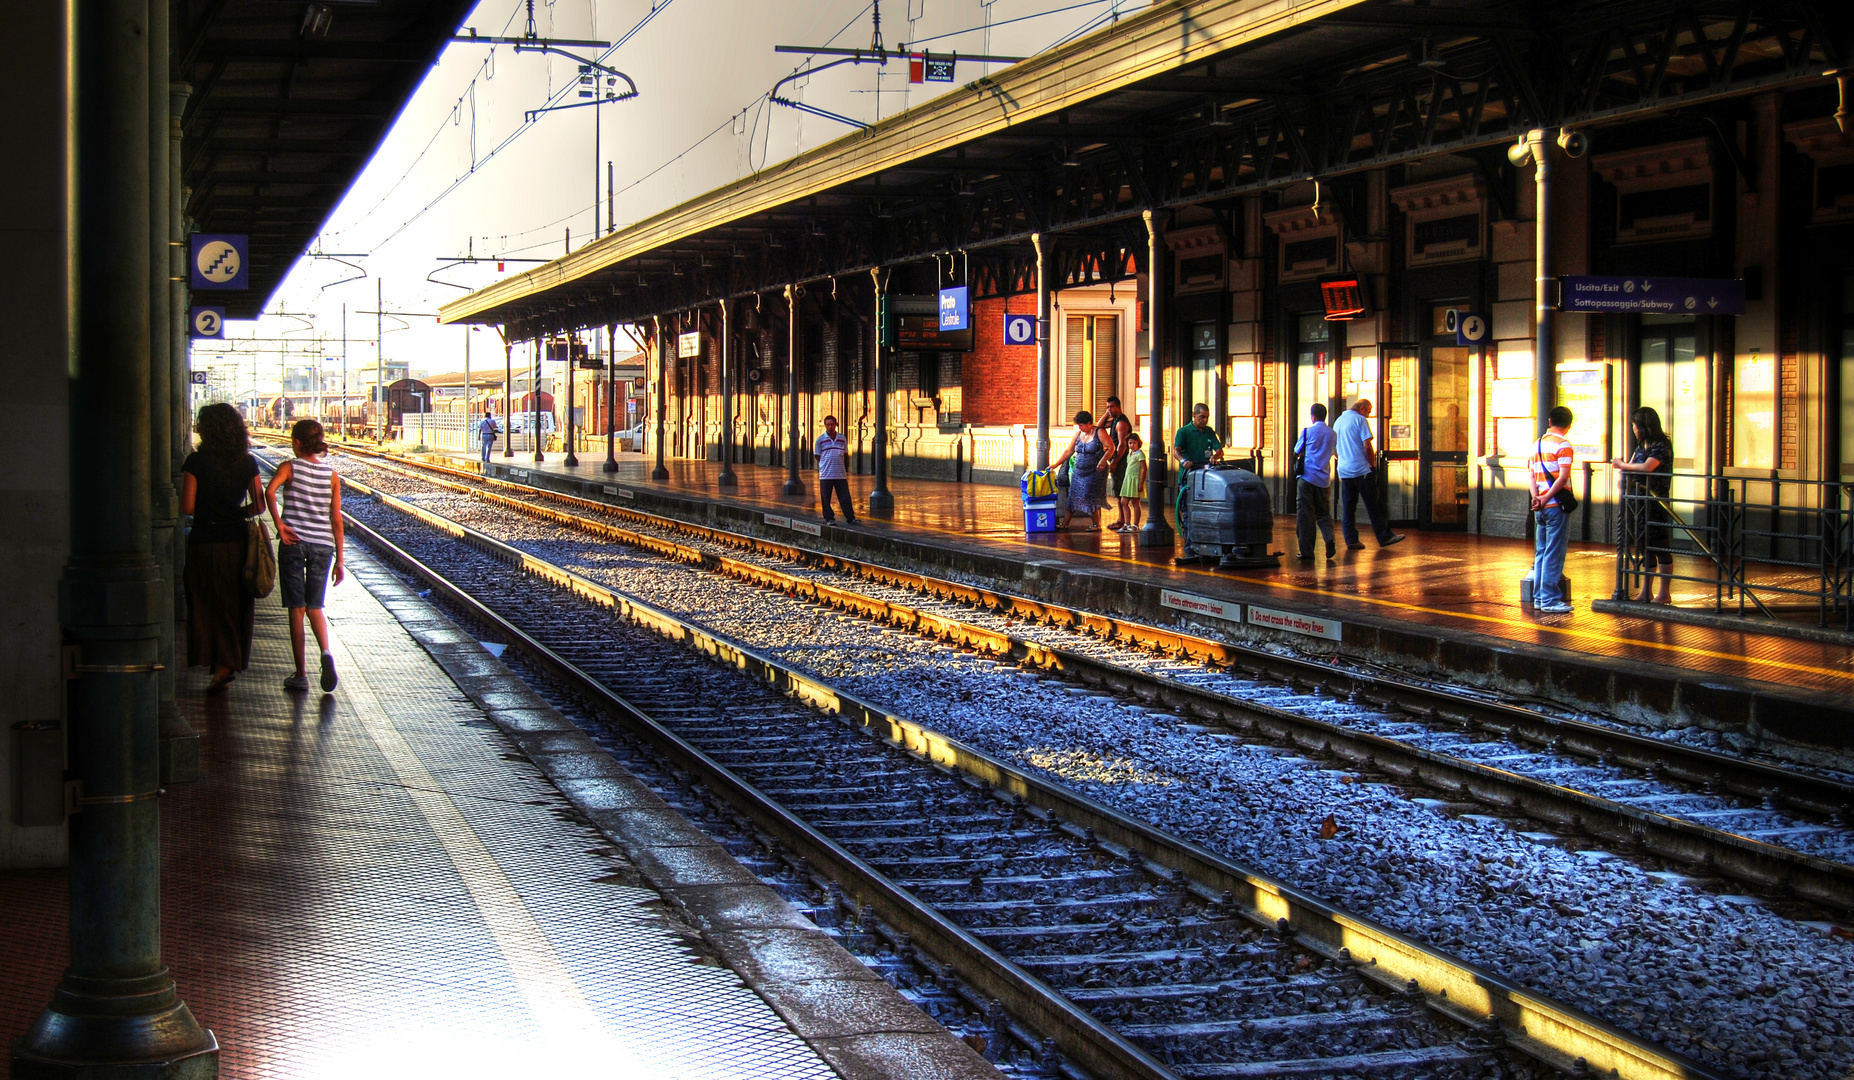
column 1520, row 154
column 1574, row 143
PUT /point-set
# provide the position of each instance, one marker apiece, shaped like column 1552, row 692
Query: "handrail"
column 1762, row 550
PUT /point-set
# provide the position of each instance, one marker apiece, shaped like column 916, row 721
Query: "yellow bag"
column 1038, row 484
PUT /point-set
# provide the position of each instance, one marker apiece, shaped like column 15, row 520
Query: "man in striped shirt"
column 830, row 450
column 1552, row 458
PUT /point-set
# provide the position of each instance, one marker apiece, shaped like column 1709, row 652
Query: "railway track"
column 1100, row 946
column 1778, row 830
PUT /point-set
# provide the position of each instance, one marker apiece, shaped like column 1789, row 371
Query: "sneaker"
column 1332, row 552
column 296, row 682
column 328, row 674
column 1397, row 539
column 1354, row 547
column 1307, row 558
column 1556, row 607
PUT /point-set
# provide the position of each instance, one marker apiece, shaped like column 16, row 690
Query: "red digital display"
column 1342, row 297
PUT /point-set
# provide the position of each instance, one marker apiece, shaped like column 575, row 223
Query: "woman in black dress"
column 1649, row 474
column 219, row 487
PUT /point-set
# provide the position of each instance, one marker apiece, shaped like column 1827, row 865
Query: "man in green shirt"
column 1195, row 446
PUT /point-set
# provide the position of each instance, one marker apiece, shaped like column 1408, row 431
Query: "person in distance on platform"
column 215, row 480
column 310, row 535
column 1313, row 506
column 1552, row 459
column 1115, row 428
column 1132, row 486
column 831, row 449
column 486, row 431
column 1088, row 478
column 1650, row 472
column 1357, row 458
column 1195, row 446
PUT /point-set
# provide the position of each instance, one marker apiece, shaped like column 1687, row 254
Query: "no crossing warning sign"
column 219, row 261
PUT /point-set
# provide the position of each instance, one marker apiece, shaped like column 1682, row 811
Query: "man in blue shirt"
column 486, row 432
column 1357, row 457
column 1313, row 504
column 830, row 450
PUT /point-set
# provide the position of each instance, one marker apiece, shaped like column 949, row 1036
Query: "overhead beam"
column 306, row 49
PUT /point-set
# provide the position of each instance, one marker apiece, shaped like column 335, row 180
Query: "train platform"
column 1440, row 604
column 431, row 872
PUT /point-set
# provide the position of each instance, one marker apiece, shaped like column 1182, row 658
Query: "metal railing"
column 1769, row 548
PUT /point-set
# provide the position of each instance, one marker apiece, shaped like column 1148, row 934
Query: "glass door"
column 1442, row 480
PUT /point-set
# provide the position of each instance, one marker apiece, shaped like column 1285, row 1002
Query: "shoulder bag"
column 260, row 561
column 1567, row 499
column 1298, row 467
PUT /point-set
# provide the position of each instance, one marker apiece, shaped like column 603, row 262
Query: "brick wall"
column 998, row 380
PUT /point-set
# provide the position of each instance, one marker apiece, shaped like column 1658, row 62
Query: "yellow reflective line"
column 1592, row 635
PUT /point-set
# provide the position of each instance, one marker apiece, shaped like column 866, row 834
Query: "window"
column 1754, row 410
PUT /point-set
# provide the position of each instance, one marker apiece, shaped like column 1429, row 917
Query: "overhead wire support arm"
column 856, row 56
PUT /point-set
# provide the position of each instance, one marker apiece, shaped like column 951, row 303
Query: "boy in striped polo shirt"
column 830, row 450
column 1552, row 458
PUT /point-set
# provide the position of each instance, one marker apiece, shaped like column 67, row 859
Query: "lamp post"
column 534, row 395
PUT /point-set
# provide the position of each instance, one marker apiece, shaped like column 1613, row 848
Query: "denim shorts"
column 302, row 571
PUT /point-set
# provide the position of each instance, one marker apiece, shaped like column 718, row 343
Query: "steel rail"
column 1560, row 1035
column 1741, row 858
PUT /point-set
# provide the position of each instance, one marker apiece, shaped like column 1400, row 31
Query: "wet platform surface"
column 371, row 884
column 1445, row 580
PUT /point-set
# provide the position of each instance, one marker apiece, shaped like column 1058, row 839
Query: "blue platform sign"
column 208, row 322
column 1652, row 295
column 954, row 309
column 1471, row 328
column 1019, row 329
column 219, row 261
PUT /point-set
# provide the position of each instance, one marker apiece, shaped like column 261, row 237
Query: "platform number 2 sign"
column 208, row 322
column 1019, row 329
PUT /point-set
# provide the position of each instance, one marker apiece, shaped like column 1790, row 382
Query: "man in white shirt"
column 831, row 449
column 1313, row 505
column 1357, row 458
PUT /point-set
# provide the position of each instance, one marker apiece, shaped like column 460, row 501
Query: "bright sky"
column 460, row 171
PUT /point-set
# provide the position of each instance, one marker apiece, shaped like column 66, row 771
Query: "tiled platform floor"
column 1446, row 580
column 362, row 885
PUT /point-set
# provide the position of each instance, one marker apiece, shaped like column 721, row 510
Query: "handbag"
column 1567, row 499
column 260, row 561
column 1298, row 467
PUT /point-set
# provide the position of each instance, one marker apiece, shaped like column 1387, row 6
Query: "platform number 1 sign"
column 1019, row 329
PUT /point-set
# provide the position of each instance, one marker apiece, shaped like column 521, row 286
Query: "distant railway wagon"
column 353, row 414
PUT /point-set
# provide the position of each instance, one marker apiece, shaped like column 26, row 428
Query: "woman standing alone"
column 1649, row 474
column 215, row 480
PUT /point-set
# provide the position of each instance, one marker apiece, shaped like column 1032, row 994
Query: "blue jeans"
column 1548, row 557
column 1350, row 489
column 489, row 443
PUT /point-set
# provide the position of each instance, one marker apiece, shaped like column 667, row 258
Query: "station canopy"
column 1187, row 102
column 288, row 103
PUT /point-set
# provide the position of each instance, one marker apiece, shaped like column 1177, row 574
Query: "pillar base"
column 539, row 457
column 659, row 473
column 794, row 487
column 728, row 479
column 611, row 464
column 570, row 460
column 180, row 747
column 881, row 501
column 108, row 1029
column 1156, row 534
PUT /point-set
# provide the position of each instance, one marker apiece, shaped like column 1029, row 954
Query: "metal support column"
column 379, row 361
column 115, row 1011
column 508, row 395
column 1544, row 348
column 611, row 397
column 180, row 746
column 1040, row 246
column 661, row 472
column 727, row 477
column 792, row 337
column 534, row 395
column 1156, row 532
column 180, row 383
column 880, row 501
column 572, row 381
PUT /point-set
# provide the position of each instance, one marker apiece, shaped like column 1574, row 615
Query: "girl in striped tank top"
column 310, row 541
